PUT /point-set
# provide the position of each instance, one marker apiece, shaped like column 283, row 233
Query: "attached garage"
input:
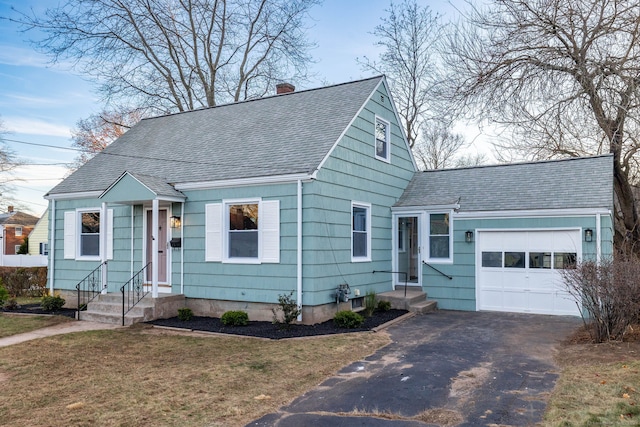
column 520, row 270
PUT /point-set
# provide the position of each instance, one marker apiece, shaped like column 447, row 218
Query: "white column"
column 154, row 249
column 182, row 248
column 52, row 244
column 598, row 239
column 103, row 245
column 299, row 252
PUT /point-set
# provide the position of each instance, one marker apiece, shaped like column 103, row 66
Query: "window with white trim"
column 16, row 249
column 383, row 147
column 18, row 231
column 82, row 229
column 243, row 231
column 360, row 232
column 440, row 248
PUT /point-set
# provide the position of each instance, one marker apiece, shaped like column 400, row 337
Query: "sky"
column 40, row 103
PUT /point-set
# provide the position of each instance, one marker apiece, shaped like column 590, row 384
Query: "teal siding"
column 459, row 293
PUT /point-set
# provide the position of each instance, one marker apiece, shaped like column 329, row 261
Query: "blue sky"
column 40, row 103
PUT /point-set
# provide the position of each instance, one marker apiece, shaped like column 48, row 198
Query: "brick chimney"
column 10, row 209
column 284, row 88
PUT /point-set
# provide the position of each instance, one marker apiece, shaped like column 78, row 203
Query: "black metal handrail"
column 406, row 277
column 89, row 288
column 444, row 274
column 135, row 291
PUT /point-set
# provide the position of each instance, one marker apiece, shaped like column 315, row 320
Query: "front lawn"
column 11, row 324
column 142, row 376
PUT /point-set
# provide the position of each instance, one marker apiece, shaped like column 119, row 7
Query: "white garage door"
column 519, row 271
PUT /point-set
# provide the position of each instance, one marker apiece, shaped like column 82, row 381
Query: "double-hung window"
column 383, row 147
column 89, row 234
column 360, row 232
column 440, row 242
column 82, row 230
column 18, row 231
column 243, row 231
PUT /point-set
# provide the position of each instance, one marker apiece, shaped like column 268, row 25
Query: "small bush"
column 4, row 295
column 24, row 281
column 11, row 304
column 348, row 319
column 235, row 318
column 384, row 305
column 185, row 314
column 50, row 303
column 289, row 308
column 369, row 303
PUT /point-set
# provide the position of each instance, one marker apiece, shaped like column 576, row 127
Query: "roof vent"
column 284, row 88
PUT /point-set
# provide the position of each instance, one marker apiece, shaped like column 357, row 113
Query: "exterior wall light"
column 175, row 222
column 588, row 235
column 468, row 236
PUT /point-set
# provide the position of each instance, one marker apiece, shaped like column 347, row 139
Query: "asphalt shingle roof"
column 585, row 182
column 277, row 135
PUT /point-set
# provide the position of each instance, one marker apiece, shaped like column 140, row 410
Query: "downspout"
column 52, row 246
column 299, row 254
column 132, row 242
column 598, row 240
column 103, row 245
column 182, row 248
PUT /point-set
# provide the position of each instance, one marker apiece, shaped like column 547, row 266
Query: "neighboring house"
column 310, row 191
column 39, row 237
column 15, row 227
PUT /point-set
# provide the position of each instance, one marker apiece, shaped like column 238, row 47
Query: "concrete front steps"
column 107, row 308
column 415, row 300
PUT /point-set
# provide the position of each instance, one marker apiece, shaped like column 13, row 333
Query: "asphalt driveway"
column 447, row 368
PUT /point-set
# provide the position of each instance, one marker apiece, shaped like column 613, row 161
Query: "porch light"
column 468, row 236
column 175, row 222
column 588, row 235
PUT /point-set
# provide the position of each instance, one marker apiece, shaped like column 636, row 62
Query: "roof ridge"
column 245, row 101
column 533, row 162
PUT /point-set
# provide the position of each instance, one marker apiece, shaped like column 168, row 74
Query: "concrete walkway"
column 62, row 328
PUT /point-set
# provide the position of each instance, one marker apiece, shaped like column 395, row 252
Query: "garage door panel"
column 535, row 288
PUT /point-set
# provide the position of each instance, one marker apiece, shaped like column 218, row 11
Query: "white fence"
column 23, row 260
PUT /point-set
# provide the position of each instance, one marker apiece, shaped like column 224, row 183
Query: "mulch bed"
column 37, row 309
column 271, row 331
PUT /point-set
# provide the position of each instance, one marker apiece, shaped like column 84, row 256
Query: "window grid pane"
column 90, row 234
column 360, row 237
column 243, row 231
column 439, row 236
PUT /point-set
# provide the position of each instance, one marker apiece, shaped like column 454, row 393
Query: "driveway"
column 447, row 368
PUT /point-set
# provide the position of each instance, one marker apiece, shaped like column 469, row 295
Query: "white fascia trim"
column 532, row 213
column 430, row 208
column 70, row 196
column 174, row 199
column 519, row 229
column 262, row 180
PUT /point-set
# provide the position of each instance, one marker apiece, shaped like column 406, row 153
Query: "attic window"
column 382, row 139
column 18, row 231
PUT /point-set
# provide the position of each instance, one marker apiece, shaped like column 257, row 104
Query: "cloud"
column 35, row 127
column 19, row 57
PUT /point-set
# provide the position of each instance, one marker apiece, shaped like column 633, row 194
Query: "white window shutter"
column 270, row 227
column 213, row 232
column 69, row 235
column 109, row 233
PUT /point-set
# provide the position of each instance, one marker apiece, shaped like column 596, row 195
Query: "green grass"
column 12, row 324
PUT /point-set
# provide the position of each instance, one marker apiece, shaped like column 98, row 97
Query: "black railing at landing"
column 406, row 277
column 133, row 291
column 89, row 288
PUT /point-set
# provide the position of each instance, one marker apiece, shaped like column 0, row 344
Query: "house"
column 14, row 228
column 39, row 236
column 316, row 194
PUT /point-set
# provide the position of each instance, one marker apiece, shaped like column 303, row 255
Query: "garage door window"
column 492, row 259
column 540, row 260
column 563, row 260
column 514, row 259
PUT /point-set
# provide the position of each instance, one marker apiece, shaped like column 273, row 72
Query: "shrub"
column 235, row 318
column 24, row 281
column 289, row 308
column 384, row 305
column 4, row 295
column 369, row 303
column 348, row 319
column 185, row 314
column 608, row 293
column 12, row 304
column 52, row 303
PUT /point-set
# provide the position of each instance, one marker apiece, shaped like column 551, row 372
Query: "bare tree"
column 8, row 165
column 408, row 37
column 177, row 55
column 563, row 76
column 95, row 132
column 437, row 148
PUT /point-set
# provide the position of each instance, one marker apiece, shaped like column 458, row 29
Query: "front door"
column 162, row 246
column 407, row 249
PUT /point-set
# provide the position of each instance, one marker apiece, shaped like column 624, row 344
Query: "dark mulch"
column 37, row 309
column 269, row 330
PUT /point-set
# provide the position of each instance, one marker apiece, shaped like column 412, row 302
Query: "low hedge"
column 24, row 281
